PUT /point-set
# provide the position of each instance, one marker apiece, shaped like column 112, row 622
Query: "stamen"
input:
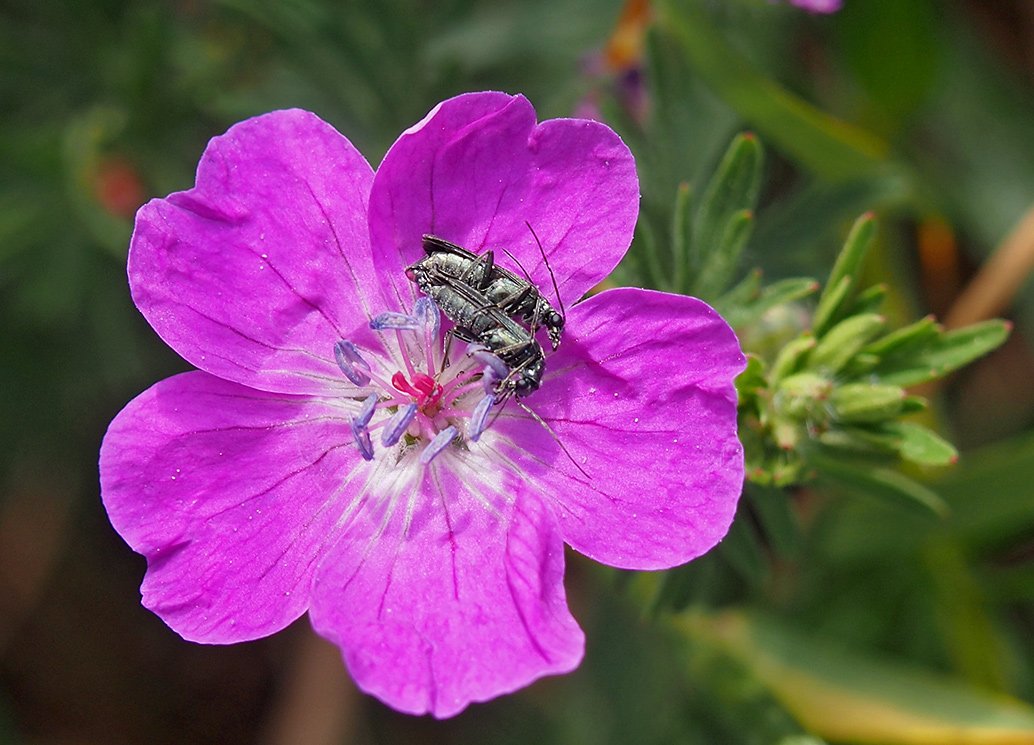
column 362, row 440
column 366, row 411
column 479, row 418
column 394, row 321
column 398, row 424
column 492, row 362
column 426, row 312
column 438, row 444
column 352, row 364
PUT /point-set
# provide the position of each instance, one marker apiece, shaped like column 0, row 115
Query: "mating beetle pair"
column 484, row 301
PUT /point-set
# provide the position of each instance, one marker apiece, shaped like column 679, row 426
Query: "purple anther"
column 479, row 417
column 426, row 312
column 362, row 440
column 394, row 322
column 351, row 362
column 366, row 411
column 398, row 424
column 492, row 362
column 438, row 444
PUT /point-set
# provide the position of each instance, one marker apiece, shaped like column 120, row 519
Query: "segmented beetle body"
column 477, row 319
column 515, row 295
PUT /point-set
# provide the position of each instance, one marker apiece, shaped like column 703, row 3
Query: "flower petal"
column 257, row 271
column 231, row 494
column 477, row 169
column 641, row 395
column 463, row 604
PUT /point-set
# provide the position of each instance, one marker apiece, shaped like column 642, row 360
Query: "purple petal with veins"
column 432, row 554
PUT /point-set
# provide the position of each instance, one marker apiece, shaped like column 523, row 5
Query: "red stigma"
column 424, row 390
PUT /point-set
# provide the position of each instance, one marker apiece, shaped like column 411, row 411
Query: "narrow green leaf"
column 681, row 227
column 644, row 250
column 943, row 354
column 733, row 304
column 829, row 147
column 831, row 300
column 903, row 339
column 856, row 246
column 860, row 365
column 735, row 706
column 730, row 196
column 877, row 482
column 845, row 696
column 717, row 272
column 751, row 380
column 742, row 311
column 843, row 341
column 920, row 445
column 788, row 361
column 990, row 492
column 861, row 439
column 843, row 279
column 866, row 402
column 869, row 300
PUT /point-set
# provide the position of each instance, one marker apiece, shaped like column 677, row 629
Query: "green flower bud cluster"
column 834, row 399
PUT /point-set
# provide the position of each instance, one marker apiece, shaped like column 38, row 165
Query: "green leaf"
column 845, row 696
column 944, row 353
column 644, row 253
column 751, row 379
column 681, row 235
column 904, row 339
column 716, row 274
column 844, row 276
column 843, row 341
column 877, row 482
column 894, row 50
column 866, row 402
column 920, row 445
column 742, row 310
column 856, row 246
column 724, row 217
column 732, row 304
column 990, row 492
column 829, row 147
column 869, row 300
column 788, row 361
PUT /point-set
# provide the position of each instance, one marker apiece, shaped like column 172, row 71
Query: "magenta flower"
column 323, row 459
column 818, row 6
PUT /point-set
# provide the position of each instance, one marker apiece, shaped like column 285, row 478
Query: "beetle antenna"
column 552, row 434
column 552, row 277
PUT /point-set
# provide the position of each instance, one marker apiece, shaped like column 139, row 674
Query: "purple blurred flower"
column 322, row 460
column 818, row 6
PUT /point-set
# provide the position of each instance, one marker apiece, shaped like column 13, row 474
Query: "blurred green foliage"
column 919, row 110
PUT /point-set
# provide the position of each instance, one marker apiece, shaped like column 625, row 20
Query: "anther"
column 362, row 440
column 479, row 417
column 352, row 364
column 438, row 444
column 398, row 424
column 366, row 411
column 394, row 321
column 491, row 361
column 426, row 312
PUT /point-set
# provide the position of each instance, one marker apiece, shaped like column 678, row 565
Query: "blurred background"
column 921, row 110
